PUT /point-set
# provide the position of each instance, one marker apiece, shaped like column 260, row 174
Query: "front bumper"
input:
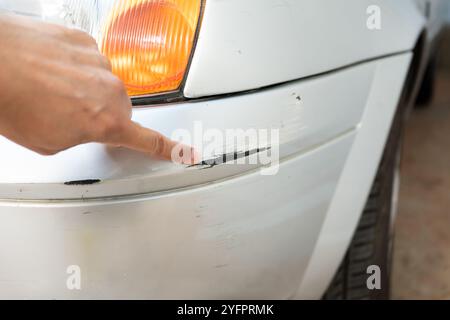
column 155, row 230
column 248, row 237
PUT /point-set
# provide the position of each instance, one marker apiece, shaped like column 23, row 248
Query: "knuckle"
column 117, row 85
column 110, row 127
column 101, row 80
column 91, row 78
column 109, row 85
column 89, row 106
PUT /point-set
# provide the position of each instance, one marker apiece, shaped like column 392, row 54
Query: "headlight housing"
column 149, row 42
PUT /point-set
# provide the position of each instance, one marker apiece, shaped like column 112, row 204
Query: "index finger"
column 153, row 143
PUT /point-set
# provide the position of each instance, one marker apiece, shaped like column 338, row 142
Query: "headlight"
column 149, row 42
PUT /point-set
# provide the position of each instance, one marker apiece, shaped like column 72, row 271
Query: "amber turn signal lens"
column 149, row 43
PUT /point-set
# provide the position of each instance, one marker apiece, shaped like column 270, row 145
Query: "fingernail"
column 184, row 154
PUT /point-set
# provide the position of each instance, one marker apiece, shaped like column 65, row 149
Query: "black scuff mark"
column 228, row 157
column 87, row 182
column 297, row 97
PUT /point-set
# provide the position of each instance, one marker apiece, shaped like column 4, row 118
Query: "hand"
column 57, row 91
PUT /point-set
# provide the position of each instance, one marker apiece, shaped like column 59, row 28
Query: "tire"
column 426, row 92
column 372, row 241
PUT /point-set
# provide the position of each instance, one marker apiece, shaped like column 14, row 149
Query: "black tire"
column 426, row 92
column 372, row 241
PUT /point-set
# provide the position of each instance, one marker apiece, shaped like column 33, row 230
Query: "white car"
column 329, row 82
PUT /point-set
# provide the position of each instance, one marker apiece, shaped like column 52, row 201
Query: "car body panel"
column 180, row 245
column 292, row 109
column 143, row 228
column 245, row 45
column 355, row 183
column 254, row 236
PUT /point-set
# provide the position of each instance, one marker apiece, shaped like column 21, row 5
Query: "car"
column 297, row 107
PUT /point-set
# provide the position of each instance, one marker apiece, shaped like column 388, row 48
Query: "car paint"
column 250, row 44
column 250, row 236
column 122, row 172
column 150, row 229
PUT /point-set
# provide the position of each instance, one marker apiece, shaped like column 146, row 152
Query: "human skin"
column 57, row 91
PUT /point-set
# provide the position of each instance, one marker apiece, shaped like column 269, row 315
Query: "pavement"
column 422, row 245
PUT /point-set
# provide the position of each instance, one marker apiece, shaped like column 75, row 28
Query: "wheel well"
column 414, row 77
